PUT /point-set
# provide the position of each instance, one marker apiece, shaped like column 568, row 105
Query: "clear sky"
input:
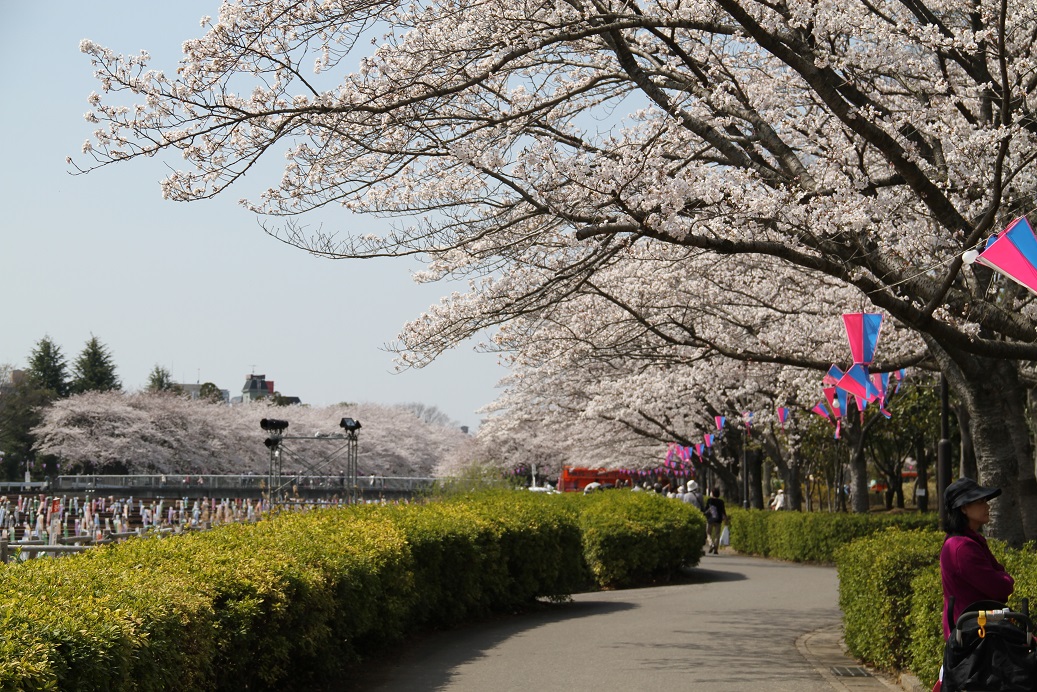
column 197, row 288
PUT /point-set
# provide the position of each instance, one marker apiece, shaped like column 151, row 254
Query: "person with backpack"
column 716, row 515
column 693, row 496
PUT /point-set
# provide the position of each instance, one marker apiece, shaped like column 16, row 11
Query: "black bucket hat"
column 965, row 490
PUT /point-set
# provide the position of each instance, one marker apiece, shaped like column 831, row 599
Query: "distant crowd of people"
column 49, row 518
column 717, row 529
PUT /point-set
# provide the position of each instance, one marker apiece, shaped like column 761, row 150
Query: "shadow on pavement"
column 429, row 660
column 435, row 654
column 706, row 575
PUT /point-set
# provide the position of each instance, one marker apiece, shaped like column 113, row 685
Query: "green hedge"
column 875, row 591
column 811, row 536
column 925, row 649
column 630, row 537
column 296, row 599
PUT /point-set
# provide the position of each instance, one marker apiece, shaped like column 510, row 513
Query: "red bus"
column 575, row 479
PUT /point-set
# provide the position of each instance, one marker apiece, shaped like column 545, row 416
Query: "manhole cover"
column 850, row 672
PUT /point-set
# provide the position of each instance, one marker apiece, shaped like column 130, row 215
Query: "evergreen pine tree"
column 47, row 368
column 161, row 380
column 94, row 369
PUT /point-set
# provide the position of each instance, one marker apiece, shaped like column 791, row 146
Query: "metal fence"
column 228, row 484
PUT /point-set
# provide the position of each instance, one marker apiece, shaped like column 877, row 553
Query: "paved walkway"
column 738, row 624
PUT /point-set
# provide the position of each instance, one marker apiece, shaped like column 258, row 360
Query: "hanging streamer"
column 857, row 381
column 862, row 331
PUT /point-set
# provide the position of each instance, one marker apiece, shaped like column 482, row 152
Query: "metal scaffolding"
column 278, row 483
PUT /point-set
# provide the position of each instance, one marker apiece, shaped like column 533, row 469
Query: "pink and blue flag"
column 708, row 438
column 881, row 383
column 1013, row 252
column 862, row 331
column 720, row 420
column 833, row 375
column 783, row 414
column 836, row 401
column 856, row 381
column 821, row 410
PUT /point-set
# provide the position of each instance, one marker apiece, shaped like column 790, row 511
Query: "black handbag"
column 991, row 647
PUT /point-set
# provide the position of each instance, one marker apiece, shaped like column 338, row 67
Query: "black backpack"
column 712, row 513
column 990, row 648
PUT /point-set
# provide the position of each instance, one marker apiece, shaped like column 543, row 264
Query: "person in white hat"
column 693, row 496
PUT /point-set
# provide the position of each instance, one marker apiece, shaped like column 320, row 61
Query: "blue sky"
column 197, row 288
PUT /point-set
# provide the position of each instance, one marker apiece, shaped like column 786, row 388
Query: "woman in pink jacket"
column 969, row 571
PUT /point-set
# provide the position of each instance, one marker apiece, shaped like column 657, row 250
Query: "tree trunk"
column 995, row 399
column 967, row 454
column 854, row 433
column 755, row 464
column 859, row 481
column 793, row 490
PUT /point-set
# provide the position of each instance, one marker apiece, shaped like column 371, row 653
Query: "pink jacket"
column 970, row 573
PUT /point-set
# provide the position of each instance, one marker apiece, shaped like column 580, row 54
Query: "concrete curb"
column 825, row 651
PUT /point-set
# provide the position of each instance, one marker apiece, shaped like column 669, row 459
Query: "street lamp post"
column 745, row 475
column 943, row 452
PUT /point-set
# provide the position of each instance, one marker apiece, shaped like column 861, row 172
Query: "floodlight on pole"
column 351, row 426
column 274, row 425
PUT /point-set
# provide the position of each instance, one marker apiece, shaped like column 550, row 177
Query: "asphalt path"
column 735, row 623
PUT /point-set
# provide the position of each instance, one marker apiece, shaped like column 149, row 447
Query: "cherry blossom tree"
column 535, row 145
column 156, row 432
column 657, row 354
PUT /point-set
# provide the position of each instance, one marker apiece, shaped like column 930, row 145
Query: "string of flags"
column 862, row 333
column 1012, row 253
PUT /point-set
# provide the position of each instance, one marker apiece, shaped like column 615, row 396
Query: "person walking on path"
column 693, row 496
column 716, row 516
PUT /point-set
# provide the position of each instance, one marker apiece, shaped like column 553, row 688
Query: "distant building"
column 256, row 387
column 12, row 379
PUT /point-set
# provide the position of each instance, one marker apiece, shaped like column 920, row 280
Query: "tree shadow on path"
column 429, row 660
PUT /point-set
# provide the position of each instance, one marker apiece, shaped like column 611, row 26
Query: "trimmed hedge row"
column 892, row 599
column 289, row 602
column 876, row 576
column 628, row 538
column 811, row 536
